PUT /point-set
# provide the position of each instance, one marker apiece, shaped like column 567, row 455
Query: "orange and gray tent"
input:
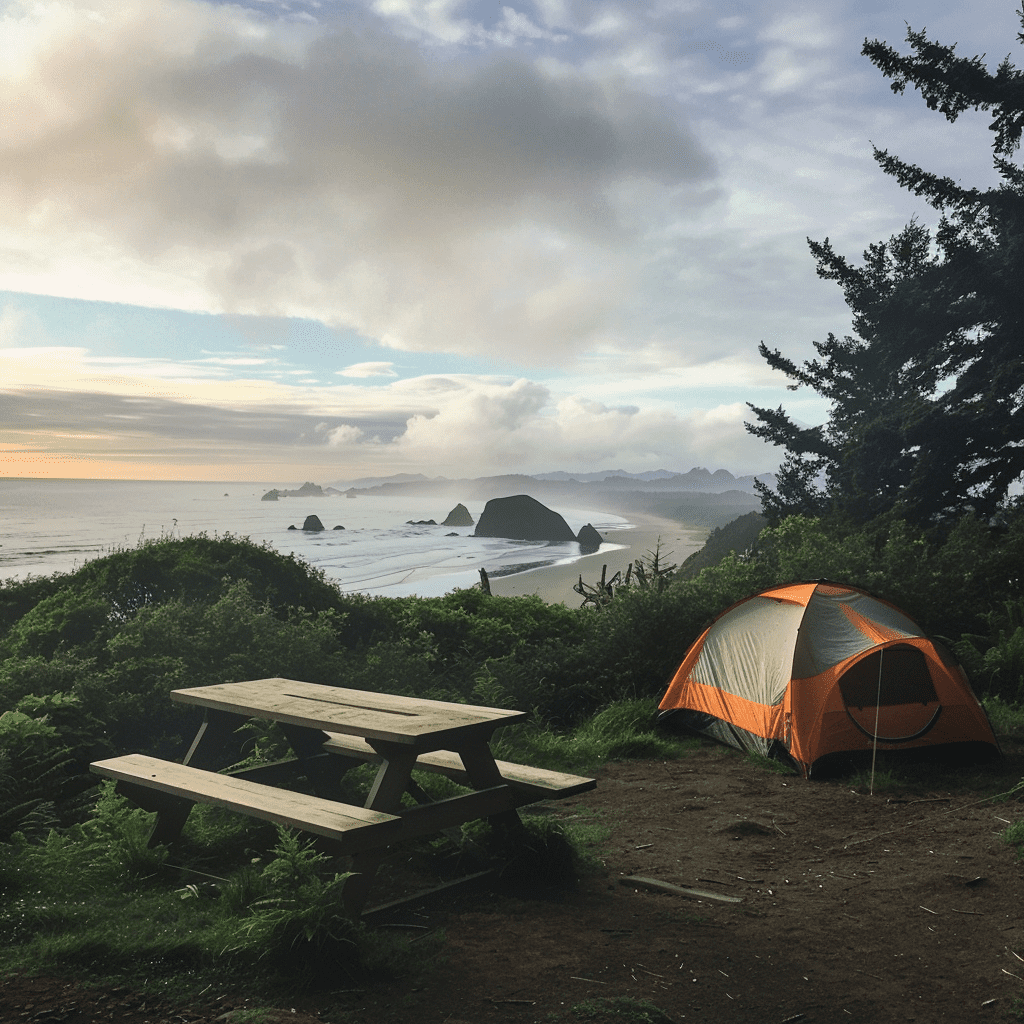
column 810, row 670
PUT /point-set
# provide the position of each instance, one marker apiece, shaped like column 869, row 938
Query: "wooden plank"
column 355, row 828
column 426, row 819
column 421, row 723
column 537, row 783
column 678, row 890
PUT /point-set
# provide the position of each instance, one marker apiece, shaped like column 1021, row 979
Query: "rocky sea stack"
column 459, row 516
column 521, row 517
column 589, row 539
column 312, row 523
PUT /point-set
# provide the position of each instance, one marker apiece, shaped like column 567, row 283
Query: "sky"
column 330, row 239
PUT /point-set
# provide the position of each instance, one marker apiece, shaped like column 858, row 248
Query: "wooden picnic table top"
column 420, row 724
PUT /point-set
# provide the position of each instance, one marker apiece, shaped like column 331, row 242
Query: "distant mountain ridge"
column 697, row 479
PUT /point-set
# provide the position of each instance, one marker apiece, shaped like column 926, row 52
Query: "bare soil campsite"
column 809, row 901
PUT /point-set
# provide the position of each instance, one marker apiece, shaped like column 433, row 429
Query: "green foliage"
column 34, row 779
column 82, row 900
column 116, row 837
column 620, row 731
column 550, row 853
column 996, row 660
column 1007, row 719
column 299, row 925
column 1014, row 835
column 69, row 618
column 738, row 537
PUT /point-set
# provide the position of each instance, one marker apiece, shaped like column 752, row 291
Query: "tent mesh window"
column 905, row 679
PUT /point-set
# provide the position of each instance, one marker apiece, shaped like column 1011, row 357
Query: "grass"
column 1014, row 835
column 623, row 731
column 769, row 764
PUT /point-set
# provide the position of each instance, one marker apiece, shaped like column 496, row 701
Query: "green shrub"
column 1014, row 835
column 1007, row 719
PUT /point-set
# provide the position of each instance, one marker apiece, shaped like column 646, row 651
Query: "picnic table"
column 330, row 730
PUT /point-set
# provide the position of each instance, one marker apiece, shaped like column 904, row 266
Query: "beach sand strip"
column 554, row 583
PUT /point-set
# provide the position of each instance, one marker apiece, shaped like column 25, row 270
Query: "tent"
column 818, row 672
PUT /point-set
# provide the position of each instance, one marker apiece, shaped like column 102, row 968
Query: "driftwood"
column 678, row 890
column 648, row 573
column 599, row 594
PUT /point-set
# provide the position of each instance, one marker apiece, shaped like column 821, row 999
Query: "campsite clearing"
column 902, row 906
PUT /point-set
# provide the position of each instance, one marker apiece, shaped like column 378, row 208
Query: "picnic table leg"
column 207, row 752
column 393, row 778
column 323, row 771
column 483, row 773
column 211, row 749
column 171, row 812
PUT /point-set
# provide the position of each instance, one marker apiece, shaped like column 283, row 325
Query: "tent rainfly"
column 809, row 670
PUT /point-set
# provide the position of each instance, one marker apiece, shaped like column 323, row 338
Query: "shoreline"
column 554, row 583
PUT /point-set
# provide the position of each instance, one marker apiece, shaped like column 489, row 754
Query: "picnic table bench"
column 330, row 729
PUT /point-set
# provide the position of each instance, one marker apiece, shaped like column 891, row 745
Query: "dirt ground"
column 902, row 906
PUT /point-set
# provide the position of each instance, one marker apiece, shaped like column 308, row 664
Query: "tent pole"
column 874, row 741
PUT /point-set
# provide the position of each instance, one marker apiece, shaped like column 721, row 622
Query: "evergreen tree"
column 927, row 414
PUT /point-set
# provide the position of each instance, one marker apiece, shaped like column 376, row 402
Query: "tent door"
column 907, row 704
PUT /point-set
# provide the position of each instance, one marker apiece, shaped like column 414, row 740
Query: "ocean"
column 51, row 526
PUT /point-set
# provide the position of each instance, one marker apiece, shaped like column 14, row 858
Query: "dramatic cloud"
column 168, row 147
column 449, row 236
column 457, row 426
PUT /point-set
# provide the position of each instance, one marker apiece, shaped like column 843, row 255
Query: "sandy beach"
column 554, row 583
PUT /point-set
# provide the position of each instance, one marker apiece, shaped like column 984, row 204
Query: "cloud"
column 169, row 152
column 523, row 427
column 368, row 370
column 457, row 425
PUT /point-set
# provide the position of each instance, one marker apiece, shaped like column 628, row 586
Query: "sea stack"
column 589, row 539
column 459, row 516
column 313, row 523
column 521, row 517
